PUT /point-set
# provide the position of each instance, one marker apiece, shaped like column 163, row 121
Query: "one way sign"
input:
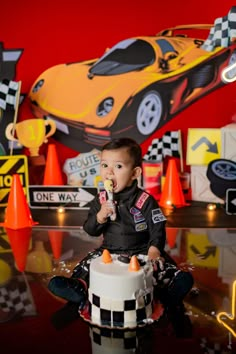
column 51, row 197
column 231, row 201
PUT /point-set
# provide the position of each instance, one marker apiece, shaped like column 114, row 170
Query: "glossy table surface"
column 32, row 320
column 195, row 214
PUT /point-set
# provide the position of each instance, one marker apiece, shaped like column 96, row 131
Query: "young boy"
column 130, row 221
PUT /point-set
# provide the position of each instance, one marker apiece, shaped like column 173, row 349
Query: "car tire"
column 222, row 176
column 149, row 113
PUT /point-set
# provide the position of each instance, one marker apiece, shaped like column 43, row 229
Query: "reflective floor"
column 34, row 321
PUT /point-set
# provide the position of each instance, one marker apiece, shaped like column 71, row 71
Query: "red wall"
column 52, row 32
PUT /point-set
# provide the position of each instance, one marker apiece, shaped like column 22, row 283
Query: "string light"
column 211, row 206
column 228, row 320
column 61, row 210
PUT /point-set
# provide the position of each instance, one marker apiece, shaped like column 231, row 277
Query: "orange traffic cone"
column 172, row 194
column 52, row 174
column 56, row 239
column 17, row 214
column 20, row 244
column 171, row 235
column 106, row 256
column 134, row 265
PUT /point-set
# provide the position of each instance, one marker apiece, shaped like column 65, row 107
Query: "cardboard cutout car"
column 135, row 88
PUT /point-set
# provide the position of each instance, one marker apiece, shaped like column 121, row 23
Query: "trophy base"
column 37, row 160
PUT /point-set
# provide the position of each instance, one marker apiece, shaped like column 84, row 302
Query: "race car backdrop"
column 88, row 46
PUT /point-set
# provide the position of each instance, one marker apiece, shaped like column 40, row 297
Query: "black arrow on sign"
column 210, row 251
column 211, row 147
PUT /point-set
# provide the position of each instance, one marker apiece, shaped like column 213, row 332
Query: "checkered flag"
column 223, row 31
column 171, row 144
column 8, row 94
column 154, row 152
column 15, row 297
column 168, row 145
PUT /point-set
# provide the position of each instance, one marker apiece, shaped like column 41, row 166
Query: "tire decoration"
column 222, row 176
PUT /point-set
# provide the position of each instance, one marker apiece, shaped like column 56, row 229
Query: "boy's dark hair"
column 132, row 146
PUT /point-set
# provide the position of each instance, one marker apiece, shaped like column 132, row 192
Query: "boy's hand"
column 107, row 209
column 155, row 256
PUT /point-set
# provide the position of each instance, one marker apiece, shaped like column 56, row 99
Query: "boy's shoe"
column 69, row 289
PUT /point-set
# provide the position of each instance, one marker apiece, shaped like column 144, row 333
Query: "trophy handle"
column 8, row 132
column 52, row 130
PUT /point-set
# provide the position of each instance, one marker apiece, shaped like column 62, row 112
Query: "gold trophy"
column 31, row 133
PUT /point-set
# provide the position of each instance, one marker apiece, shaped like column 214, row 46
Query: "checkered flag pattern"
column 223, row 31
column 113, row 339
column 171, row 144
column 120, row 313
column 14, row 296
column 154, row 152
column 168, row 145
column 8, row 94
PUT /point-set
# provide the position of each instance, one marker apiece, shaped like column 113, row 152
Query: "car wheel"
column 149, row 113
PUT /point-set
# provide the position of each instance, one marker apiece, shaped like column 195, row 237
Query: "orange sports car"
column 134, row 88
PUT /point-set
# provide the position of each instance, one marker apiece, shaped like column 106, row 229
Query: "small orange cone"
column 56, row 239
column 20, row 244
column 106, row 257
column 134, row 265
column 17, row 214
column 171, row 235
column 52, row 174
column 172, row 194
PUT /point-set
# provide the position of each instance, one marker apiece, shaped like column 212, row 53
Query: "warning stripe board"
column 4, row 241
column 10, row 165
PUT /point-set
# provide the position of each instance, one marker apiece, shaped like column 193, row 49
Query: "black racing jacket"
column 139, row 223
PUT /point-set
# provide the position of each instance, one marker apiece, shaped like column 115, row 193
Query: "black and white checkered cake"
column 119, row 297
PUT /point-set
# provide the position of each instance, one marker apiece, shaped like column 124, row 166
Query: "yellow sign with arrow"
column 203, row 146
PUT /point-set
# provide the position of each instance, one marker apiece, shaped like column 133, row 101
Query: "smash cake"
column 120, row 292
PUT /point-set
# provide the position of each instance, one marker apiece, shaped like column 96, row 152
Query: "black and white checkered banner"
column 222, row 32
column 167, row 145
column 8, row 93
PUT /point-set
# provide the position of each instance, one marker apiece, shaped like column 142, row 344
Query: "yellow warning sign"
column 4, row 242
column 203, row 146
column 201, row 252
column 10, row 165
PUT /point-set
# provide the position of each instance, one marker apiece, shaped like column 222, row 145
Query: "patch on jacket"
column 141, row 226
column 141, row 200
column 157, row 216
column 137, row 215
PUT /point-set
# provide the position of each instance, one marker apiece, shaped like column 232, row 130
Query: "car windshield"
column 128, row 55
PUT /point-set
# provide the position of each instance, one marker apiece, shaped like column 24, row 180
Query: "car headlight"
column 105, row 107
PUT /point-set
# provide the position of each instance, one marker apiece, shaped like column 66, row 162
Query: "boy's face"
column 117, row 165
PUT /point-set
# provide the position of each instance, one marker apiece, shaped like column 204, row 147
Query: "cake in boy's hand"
column 108, row 185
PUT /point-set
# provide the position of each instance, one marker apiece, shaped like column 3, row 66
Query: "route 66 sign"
column 82, row 169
